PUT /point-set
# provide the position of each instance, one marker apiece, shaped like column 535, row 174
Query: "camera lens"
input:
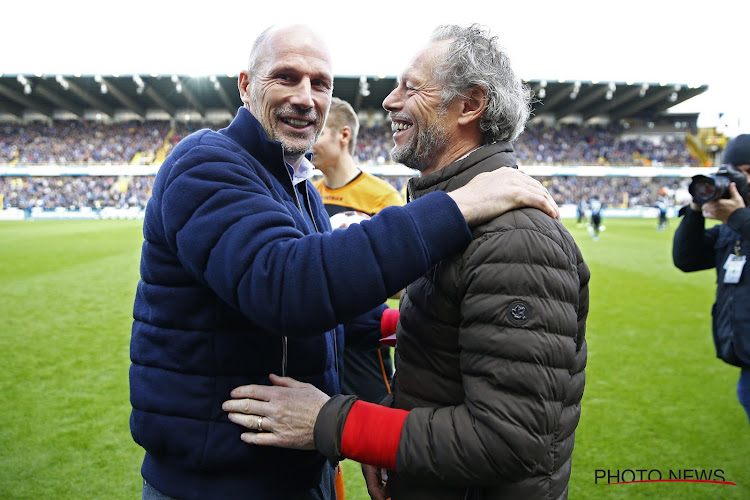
column 704, row 192
column 703, row 189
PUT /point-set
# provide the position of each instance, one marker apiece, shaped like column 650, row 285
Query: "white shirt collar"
column 304, row 171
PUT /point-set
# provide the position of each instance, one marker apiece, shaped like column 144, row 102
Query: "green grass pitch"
column 656, row 397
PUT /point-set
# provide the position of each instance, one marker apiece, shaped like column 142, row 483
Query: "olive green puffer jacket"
column 490, row 357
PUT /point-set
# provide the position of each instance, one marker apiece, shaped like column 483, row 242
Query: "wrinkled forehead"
column 425, row 61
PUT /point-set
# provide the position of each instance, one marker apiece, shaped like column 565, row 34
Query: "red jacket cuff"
column 372, row 433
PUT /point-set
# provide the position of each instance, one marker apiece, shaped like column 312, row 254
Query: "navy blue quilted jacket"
column 236, row 284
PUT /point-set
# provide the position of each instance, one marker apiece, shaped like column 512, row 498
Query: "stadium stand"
column 88, row 142
column 46, row 96
column 129, row 143
column 85, row 142
column 97, row 192
column 53, row 152
column 573, row 144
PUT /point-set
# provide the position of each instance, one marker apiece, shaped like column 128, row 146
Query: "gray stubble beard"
column 420, row 150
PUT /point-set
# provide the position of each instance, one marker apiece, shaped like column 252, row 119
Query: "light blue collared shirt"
column 305, row 170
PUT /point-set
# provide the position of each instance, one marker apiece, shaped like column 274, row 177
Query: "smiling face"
column 421, row 126
column 290, row 89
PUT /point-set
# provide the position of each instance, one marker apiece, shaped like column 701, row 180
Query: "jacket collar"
column 247, row 131
column 457, row 174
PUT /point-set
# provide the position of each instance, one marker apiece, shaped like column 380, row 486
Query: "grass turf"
column 656, row 397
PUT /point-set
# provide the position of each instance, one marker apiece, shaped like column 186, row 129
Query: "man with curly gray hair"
column 491, row 342
column 472, row 60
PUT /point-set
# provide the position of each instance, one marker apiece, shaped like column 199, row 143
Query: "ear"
column 243, row 84
column 346, row 135
column 473, row 105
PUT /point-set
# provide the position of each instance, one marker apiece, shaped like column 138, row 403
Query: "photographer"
column 723, row 196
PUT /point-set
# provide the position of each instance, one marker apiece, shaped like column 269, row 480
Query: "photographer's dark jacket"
column 489, row 362
column 696, row 248
column 239, row 281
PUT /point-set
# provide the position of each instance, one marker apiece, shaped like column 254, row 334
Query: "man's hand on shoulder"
column 491, row 194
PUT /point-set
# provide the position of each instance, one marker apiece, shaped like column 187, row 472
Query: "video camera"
column 705, row 188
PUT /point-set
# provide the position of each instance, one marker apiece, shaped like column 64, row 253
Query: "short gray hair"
column 474, row 58
column 258, row 54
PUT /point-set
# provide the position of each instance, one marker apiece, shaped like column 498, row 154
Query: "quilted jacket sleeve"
column 524, row 302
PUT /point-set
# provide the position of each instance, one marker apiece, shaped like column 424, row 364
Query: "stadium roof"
column 56, row 96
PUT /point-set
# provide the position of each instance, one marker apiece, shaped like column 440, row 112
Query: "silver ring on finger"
column 260, row 424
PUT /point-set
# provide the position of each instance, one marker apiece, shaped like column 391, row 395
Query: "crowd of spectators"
column 79, row 142
column 374, row 144
column 615, row 191
column 75, row 193
column 599, row 145
column 87, row 142
column 97, row 192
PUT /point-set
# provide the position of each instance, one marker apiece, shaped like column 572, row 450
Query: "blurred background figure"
column 662, row 223
column 596, row 218
column 581, row 209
